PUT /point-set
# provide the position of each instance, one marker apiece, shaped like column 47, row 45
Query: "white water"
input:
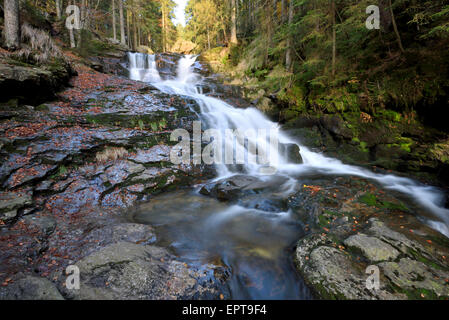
column 221, row 115
column 142, row 67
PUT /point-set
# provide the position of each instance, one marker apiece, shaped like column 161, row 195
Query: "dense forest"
column 320, row 56
column 314, row 55
column 116, row 182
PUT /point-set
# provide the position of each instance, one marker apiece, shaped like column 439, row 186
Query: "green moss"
column 390, row 115
column 394, row 206
column 426, row 261
column 368, row 199
column 363, row 146
column 42, row 108
column 372, row 201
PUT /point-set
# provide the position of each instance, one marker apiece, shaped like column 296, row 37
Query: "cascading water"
column 142, row 67
column 256, row 244
column 221, row 115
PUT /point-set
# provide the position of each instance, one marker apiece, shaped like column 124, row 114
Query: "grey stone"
column 291, row 152
column 372, row 248
column 129, row 271
column 333, row 274
column 31, row 288
column 157, row 153
column 45, row 224
column 412, row 275
column 10, row 202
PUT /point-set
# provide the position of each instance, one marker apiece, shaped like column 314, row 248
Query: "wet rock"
column 336, row 126
column 149, row 174
column 45, row 224
column 155, row 154
column 238, row 186
column 412, row 276
column 113, row 64
column 124, row 232
column 291, row 152
column 28, row 174
column 119, row 172
column 373, row 248
column 30, row 288
column 228, row 189
column 167, row 64
column 39, row 84
column 130, row 271
column 332, row 274
column 10, row 202
column 264, row 204
column 349, row 234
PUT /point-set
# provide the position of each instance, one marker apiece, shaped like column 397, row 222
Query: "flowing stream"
column 256, row 245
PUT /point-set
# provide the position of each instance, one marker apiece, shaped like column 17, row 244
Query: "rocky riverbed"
column 71, row 169
column 68, row 170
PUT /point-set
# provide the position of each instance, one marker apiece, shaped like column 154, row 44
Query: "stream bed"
column 253, row 236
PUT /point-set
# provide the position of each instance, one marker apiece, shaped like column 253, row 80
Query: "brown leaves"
column 314, row 189
column 6, row 282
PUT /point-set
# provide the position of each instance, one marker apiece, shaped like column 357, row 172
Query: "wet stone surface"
column 69, row 179
column 66, row 178
column 353, row 224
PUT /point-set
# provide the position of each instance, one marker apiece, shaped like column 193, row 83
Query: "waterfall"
column 142, row 67
column 221, row 116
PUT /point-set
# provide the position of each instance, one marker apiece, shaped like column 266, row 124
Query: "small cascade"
column 252, row 241
column 221, row 116
column 142, row 67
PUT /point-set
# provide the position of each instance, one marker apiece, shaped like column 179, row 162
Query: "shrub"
column 37, row 46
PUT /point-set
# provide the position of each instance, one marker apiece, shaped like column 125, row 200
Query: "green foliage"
column 368, row 199
column 206, row 22
column 373, row 74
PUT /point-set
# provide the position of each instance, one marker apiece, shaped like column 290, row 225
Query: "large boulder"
column 130, row 271
column 31, row 288
column 183, row 46
column 31, row 84
column 353, row 233
column 291, row 152
column 238, row 186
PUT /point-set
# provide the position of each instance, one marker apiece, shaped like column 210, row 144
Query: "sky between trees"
column 180, row 12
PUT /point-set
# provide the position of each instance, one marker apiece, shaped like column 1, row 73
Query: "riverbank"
column 70, row 180
column 101, row 147
column 381, row 137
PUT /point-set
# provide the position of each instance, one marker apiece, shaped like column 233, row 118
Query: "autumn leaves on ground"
column 81, row 145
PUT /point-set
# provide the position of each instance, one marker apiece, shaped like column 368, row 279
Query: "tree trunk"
column 164, row 40
column 234, row 22
column 128, row 26
column 289, row 53
column 139, row 30
column 134, row 21
column 395, row 27
column 114, row 22
column 83, row 22
column 275, row 12
column 72, row 34
column 284, row 11
column 208, row 37
column 12, row 24
column 122, row 24
column 334, row 38
column 58, row 9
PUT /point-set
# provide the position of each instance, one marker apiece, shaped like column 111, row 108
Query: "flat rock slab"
column 10, row 202
column 411, row 275
column 157, row 153
column 374, row 249
column 129, row 271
